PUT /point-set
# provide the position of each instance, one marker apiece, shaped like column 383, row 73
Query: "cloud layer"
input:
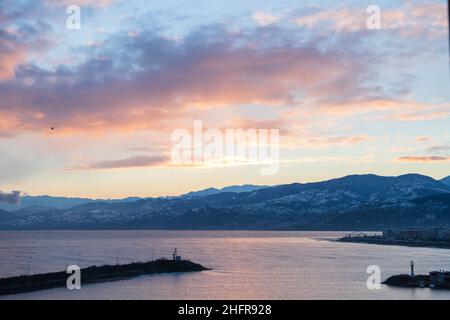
column 140, row 82
column 336, row 90
column 131, row 162
column 423, row 158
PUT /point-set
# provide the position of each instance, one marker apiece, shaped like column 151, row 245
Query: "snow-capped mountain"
column 233, row 189
column 55, row 202
column 355, row 201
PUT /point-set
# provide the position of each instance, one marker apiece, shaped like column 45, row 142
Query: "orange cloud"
column 199, row 74
column 8, row 62
column 423, row 139
column 19, row 41
column 152, row 82
column 11, row 53
column 8, row 123
column 387, row 109
column 339, row 140
column 423, row 159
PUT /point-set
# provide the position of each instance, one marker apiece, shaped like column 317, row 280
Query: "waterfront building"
column 175, row 255
column 414, row 234
column 439, row 278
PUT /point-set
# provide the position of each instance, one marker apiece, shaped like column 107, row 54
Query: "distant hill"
column 353, row 202
column 235, row 189
column 67, row 203
column 54, row 202
column 446, row 180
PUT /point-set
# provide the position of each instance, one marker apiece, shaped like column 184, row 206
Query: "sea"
column 244, row 264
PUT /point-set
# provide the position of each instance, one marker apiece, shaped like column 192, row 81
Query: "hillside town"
column 414, row 234
column 435, row 237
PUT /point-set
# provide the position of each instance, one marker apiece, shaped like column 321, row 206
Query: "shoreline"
column 403, row 243
column 417, row 281
column 95, row 274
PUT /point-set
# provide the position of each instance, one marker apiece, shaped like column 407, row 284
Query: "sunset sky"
column 346, row 99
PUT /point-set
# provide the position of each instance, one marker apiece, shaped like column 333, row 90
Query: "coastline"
column 390, row 242
column 416, row 281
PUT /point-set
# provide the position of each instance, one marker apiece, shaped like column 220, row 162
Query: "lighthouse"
column 412, row 269
column 175, row 255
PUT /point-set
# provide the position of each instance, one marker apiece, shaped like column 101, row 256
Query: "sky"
column 90, row 112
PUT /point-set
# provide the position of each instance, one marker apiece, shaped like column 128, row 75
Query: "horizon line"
column 232, row 185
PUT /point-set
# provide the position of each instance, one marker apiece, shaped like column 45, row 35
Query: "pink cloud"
column 264, row 18
column 412, row 20
column 12, row 53
column 337, row 140
column 423, row 159
column 387, row 108
column 91, row 3
column 423, row 139
column 131, row 162
column 175, row 79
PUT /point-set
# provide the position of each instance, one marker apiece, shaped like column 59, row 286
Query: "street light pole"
column 29, row 261
column 117, row 257
column 78, row 260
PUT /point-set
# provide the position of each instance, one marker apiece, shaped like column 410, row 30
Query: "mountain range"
column 66, row 203
column 353, row 202
column 446, row 180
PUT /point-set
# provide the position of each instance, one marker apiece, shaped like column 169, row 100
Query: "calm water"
column 246, row 264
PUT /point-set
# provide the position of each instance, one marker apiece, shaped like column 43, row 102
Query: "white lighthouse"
column 412, row 269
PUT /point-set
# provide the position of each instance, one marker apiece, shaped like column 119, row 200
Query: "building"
column 389, row 234
column 412, row 234
column 175, row 256
column 439, row 279
column 437, row 233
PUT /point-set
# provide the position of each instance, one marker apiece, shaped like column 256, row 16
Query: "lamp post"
column 78, row 259
column 28, row 264
column 117, row 257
